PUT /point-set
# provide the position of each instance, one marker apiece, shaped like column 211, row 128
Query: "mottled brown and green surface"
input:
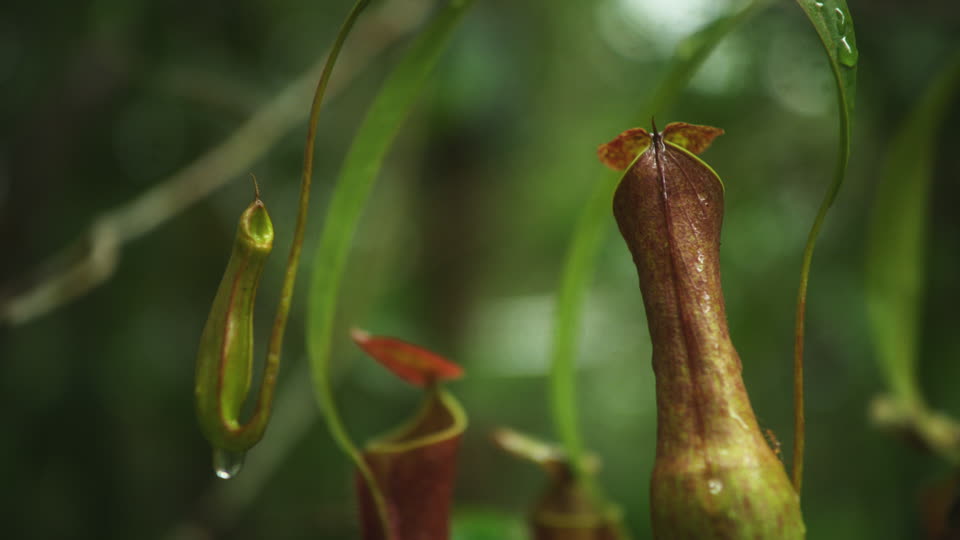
column 225, row 356
column 567, row 510
column 415, row 468
column 715, row 477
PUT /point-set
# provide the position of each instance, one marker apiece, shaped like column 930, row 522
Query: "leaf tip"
column 359, row 336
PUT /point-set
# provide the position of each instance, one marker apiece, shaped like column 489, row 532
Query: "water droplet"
column 846, row 53
column 714, row 486
column 739, row 420
column 227, row 464
column 841, row 21
column 819, row 5
column 700, row 259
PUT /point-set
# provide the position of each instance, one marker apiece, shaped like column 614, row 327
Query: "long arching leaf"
column 360, row 168
column 895, row 262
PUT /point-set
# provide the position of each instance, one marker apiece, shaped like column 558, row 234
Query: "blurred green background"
column 460, row 250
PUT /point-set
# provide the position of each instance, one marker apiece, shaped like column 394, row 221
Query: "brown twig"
column 99, row 247
column 927, row 429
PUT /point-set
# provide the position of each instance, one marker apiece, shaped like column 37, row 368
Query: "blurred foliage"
column 896, row 258
column 459, row 249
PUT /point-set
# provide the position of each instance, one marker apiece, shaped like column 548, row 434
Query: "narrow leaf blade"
column 895, row 250
column 363, row 161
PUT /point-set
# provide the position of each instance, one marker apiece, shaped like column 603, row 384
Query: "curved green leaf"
column 831, row 19
column 898, row 229
column 578, row 268
column 360, row 168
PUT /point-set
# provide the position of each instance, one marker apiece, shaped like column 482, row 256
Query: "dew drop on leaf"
column 714, row 486
column 841, row 21
column 846, row 53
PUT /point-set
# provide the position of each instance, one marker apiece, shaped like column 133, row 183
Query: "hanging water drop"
column 227, row 464
column 846, row 53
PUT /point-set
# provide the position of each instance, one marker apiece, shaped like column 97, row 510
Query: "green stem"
column 799, row 419
column 249, row 433
column 845, row 77
column 268, row 387
column 306, row 178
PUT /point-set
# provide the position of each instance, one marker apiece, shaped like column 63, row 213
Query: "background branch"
column 92, row 258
